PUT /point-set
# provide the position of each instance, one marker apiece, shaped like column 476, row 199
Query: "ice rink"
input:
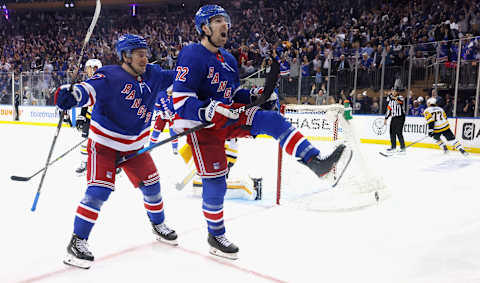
column 427, row 231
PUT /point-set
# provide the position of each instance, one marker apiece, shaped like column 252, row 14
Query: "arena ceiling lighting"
column 69, row 3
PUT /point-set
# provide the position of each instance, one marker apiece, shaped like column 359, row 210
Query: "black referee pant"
column 396, row 130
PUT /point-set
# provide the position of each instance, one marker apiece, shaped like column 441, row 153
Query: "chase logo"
column 378, row 126
column 468, row 131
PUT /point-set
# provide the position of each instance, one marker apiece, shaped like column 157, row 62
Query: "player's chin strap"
column 209, row 37
column 133, row 69
column 211, row 42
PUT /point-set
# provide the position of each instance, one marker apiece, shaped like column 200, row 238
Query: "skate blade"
column 82, row 174
column 219, row 253
column 76, row 262
column 170, row 242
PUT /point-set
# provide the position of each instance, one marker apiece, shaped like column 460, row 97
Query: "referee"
column 395, row 110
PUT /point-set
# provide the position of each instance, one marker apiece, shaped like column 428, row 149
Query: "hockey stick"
column 415, row 142
column 186, row 179
column 20, row 178
column 270, row 83
column 98, row 7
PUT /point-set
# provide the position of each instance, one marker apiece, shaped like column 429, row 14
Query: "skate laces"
column 82, row 246
column 223, row 240
column 163, row 229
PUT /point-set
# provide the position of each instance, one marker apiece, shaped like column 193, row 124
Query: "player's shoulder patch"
column 97, row 76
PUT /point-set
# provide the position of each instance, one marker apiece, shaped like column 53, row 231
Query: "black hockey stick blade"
column 23, row 179
column 385, row 154
column 20, row 178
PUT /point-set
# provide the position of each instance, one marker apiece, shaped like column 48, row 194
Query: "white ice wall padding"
column 360, row 186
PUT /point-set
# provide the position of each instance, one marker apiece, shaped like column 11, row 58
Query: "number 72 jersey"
column 438, row 117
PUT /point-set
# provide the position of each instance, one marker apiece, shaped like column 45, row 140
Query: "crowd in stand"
column 302, row 34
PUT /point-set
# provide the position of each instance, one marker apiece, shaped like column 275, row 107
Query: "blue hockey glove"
column 66, row 99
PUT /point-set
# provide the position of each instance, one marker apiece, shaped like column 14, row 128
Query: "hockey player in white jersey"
column 83, row 119
column 438, row 126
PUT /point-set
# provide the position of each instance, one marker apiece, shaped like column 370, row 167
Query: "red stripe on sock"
column 293, row 142
column 153, row 207
column 213, row 216
column 87, row 213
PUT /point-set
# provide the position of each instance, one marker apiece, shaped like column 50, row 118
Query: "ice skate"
column 78, row 254
column 322, row 166
column 463, row 152
column 221, row 246
column 165, row 234
column 389, row 152
column 445, row 149
column 82, row 169
column 402, row 151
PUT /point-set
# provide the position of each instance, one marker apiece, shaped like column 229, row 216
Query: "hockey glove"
column 66, row 99
column 81, row 121
column 166, row 109
column 217, row 113
column 272, row 101
column 430, row 132
column 255, row 93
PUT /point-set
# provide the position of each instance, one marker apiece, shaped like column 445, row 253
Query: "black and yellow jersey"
column 436, row 116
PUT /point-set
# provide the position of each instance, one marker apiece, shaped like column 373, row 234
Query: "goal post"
column 326, row 127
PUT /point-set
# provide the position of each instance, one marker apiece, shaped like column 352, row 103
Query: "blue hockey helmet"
column 128, row 42
column 206, row 12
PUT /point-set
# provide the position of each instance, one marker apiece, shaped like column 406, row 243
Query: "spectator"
column 468, row 107
column 416, row 110
column 342, row 64
column 319, row 95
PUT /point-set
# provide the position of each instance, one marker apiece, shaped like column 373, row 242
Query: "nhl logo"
column 468, row 131
column 379, row 127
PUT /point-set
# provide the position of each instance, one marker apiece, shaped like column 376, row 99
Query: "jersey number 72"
column 181, row 74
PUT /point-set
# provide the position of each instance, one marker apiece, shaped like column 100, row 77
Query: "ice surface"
column 428, row 231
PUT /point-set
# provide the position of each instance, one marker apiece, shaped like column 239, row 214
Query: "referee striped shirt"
column 395, row 107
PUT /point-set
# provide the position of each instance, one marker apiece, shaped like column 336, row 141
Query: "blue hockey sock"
column 153, row 202
column 213, row 194
column 175, row 141
column 291, row 140
column 88, row 210
column 154, row 136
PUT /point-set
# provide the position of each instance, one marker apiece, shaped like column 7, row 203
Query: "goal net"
column 326, row 127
